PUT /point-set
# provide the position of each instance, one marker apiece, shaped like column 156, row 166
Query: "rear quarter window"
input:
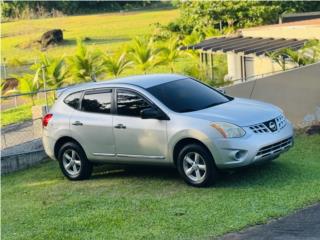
column 73, row 100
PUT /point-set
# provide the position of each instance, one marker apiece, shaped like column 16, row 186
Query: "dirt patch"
column 314, row 129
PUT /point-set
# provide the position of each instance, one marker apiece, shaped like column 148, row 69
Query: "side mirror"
column 221, row 90
column 151, row 113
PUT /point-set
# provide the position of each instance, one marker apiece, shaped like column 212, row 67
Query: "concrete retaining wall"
column 21, row 161
column 296, row 91
column 22, row 156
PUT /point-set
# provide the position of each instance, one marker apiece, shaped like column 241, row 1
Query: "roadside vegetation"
column 11, row 10
column 143, row 203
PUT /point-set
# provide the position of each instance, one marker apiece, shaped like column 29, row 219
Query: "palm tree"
column 194, row 38
column 55, row 71
column 115, row 64
column 85, row 65
column 171, row 52
column 312, row 50
column 144, row 54
column 309, row 53
column 279, row 58
column 297, row 57
column 28, row 84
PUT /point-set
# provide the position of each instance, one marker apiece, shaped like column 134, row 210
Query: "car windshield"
column 187, row 95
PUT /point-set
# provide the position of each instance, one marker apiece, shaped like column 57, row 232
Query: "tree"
column 144, row 53
column 311, row 49
column 198, row 15
column 85, row 66
column 309, row 53
column 54, row 68
column 171, row 53
column 28, row 84
column 193, row 38
column 115, row 64
column 16, row 8
column 279, row 58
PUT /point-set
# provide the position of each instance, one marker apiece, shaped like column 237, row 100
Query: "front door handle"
column 77, row 123
column 120, row 126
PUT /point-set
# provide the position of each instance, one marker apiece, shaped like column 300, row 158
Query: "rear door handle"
column 77, row 123
column 120, row 126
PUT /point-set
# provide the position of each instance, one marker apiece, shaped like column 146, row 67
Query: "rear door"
column 93, row 124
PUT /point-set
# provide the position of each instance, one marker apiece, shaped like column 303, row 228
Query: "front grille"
column 259, row 128
column 279, row 122
column 275, row 148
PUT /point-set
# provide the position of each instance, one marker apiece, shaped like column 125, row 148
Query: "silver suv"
column 161, row 119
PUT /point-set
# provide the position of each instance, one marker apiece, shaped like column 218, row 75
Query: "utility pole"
column 4, row 69
column 45, row 85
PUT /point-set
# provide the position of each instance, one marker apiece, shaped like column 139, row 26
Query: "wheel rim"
column 194, row 167
column 71, row 162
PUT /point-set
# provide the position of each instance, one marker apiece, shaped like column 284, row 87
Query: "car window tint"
column 130, row 104
column 187, row 95
column 73, row 100
column 97, row 102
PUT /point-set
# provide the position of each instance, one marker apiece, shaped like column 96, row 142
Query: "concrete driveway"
column 302, row 225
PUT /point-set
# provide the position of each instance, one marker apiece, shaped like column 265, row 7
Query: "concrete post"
column 37, row 113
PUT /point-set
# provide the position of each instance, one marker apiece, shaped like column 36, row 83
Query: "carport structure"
column 241, row 52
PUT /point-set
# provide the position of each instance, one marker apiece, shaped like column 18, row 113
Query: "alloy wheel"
column 194, row 167
column 71, row 162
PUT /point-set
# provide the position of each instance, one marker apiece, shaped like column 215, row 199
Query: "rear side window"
column 73, row 100
column 130, row 103
column 97, row 102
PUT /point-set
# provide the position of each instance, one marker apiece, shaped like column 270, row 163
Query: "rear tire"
column 196, row 166
column 73, row 162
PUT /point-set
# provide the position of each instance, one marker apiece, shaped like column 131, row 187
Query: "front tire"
column 73, row 162
column 196, row 166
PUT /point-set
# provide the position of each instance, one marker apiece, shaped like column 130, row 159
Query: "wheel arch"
column 185, row 141
column 62, row 140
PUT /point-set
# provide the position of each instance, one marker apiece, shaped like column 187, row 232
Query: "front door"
column 136, row 138
column 92, row 125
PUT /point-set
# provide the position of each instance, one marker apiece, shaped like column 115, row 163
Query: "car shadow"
column 135, row 171
column 266, row 175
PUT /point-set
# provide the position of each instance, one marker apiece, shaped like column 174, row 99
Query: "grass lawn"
column 143, row 203
column 16, row 115
column 106, row 32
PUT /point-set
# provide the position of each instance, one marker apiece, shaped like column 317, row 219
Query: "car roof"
column 143, row 81
column 146, row 80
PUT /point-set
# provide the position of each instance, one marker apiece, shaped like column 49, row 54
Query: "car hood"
column 239, row 111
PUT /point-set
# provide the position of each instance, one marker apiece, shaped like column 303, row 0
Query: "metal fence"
column 21, row 120
column 20, row 133
column 14, row 101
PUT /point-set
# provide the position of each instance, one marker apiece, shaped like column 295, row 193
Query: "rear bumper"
column 48, row 144
column 252, row 148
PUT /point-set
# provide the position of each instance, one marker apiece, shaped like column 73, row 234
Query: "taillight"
column 46, row 119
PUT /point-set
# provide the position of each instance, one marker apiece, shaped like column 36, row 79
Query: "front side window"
column 97, row 102
column 73, row 100
column 130, row 103
column 187, row 95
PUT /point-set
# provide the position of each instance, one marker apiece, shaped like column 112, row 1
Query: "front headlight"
column 228, row 130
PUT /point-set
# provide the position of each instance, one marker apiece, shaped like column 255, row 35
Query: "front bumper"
column 252, row 148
